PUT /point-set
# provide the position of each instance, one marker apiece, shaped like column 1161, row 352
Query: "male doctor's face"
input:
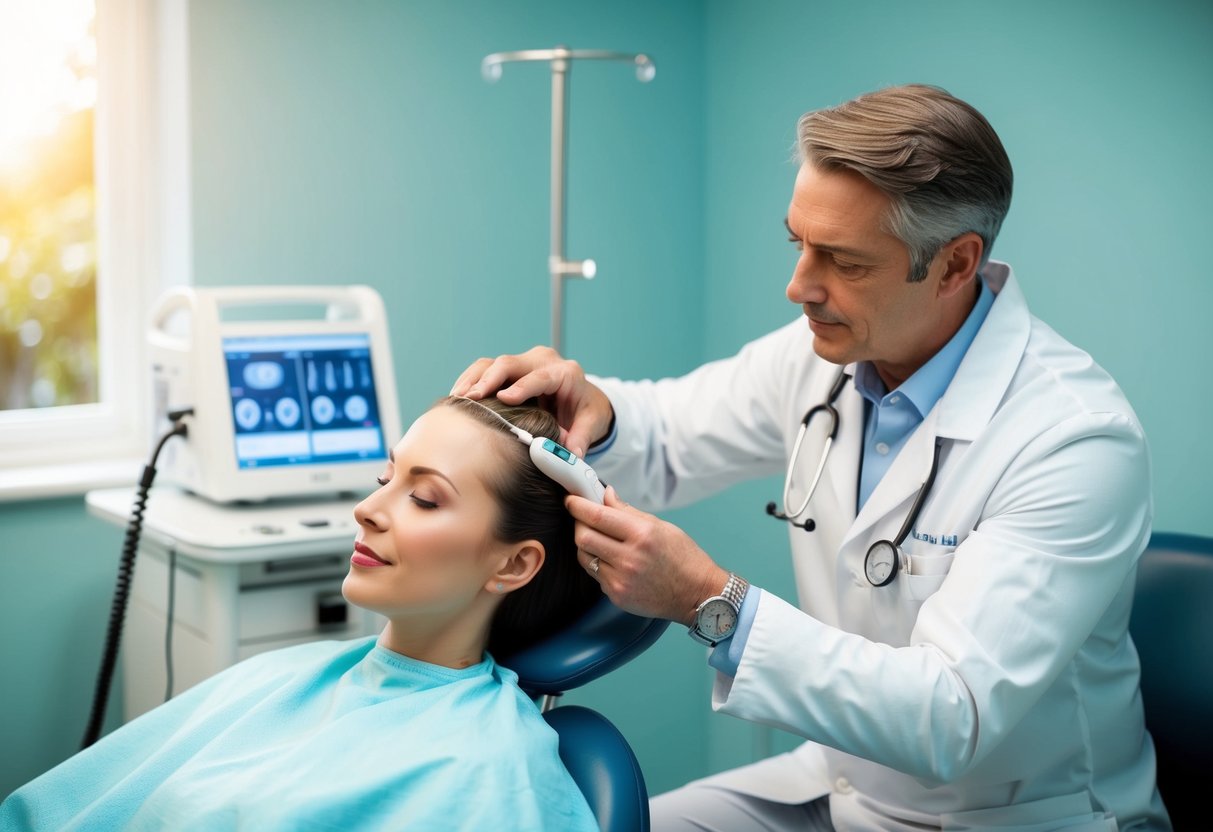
column 851, row 277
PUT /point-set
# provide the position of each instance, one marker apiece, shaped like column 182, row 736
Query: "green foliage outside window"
column 48, row 266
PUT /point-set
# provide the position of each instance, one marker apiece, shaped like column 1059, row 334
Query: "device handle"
column 180, row 299
column 568, row 469
column 342, row 303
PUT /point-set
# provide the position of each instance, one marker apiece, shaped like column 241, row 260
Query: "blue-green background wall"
column 339, row 142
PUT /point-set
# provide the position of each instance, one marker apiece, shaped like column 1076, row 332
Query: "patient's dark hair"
column 532, row 508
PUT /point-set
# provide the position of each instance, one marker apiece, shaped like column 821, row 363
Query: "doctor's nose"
column 806, row 285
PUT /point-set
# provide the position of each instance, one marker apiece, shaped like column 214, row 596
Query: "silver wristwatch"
column 716, row 618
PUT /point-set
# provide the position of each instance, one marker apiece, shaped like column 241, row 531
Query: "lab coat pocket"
column 927, row 572
column 1070, row 812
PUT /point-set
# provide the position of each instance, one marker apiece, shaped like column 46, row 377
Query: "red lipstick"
column 365, row 556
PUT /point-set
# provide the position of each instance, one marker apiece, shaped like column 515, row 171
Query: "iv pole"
column 561, row 59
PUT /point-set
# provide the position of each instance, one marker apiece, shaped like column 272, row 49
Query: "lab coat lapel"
column 815, row 555
column 988, row 368
column 841, row 475
column 902, row 481
column 966, row 407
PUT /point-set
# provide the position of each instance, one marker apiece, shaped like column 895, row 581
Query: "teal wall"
column 57, row 570
column 357, row 143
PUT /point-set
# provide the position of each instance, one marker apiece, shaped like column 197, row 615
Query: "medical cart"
column 246, row 578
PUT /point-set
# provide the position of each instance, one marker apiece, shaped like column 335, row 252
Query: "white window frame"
column 143, row 247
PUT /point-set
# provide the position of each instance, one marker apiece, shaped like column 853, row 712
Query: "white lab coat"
column 996, row 684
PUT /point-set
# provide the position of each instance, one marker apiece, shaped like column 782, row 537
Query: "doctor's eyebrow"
column 826, row 247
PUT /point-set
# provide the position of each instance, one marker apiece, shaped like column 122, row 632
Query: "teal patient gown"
column 328, row 735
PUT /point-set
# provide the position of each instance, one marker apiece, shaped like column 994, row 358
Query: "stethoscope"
column 884, row 558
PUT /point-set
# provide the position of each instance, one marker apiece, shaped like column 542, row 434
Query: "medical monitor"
column 303, row 399
column 282, row 406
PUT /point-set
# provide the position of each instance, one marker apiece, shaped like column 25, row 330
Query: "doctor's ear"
column 518, row 565
column 960, row 259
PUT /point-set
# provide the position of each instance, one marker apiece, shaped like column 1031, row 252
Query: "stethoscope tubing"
column 825, row 407
column 901, row 560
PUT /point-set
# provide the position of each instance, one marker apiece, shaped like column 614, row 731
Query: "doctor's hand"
column 582, row 410
column 645, row 565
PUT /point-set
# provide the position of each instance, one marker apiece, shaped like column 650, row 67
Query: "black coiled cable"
column 122, row 588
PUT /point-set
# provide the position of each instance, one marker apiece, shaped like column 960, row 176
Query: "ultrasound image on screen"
column 303, row 399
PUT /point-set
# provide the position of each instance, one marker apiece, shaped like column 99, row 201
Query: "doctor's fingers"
column 470, row 376
column 615, row 519
column 602, row 559
column 487, row 376
column 634, row 579
column 639, row 547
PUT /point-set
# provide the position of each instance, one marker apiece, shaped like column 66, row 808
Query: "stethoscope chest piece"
column 881, row 563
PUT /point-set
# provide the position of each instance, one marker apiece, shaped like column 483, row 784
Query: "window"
column 48, row 229
column 92, row 133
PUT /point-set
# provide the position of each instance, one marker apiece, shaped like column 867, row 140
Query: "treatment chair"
column 1172, row 627
column 591, row 748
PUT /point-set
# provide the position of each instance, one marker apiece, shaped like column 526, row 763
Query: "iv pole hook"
column 561, row 59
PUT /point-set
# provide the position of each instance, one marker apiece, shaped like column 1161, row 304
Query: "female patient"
column 465, row 547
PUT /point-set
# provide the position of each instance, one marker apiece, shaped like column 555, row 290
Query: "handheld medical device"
column 562, row 465
column 291, row 389
column 557, row 462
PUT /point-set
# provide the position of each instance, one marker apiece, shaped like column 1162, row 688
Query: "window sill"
column 48, row 481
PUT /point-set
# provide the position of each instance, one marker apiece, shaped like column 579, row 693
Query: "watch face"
column 717, row 619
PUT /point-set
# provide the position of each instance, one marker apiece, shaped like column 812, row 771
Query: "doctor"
column 967, row 495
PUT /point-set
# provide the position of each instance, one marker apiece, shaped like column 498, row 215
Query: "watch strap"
column 735, row 589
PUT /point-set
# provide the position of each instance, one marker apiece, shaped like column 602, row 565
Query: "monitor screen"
column 303, row 399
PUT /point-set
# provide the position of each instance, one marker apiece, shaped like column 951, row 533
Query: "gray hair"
column 938, row 159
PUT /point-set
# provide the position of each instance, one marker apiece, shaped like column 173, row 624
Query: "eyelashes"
column 421, row 503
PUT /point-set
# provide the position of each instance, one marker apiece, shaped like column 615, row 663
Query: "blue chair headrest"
column 603, row 639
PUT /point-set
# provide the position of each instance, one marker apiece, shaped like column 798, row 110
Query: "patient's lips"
column 365, row 556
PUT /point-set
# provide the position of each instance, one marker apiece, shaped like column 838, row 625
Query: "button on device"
column 314, row 523
column 268, row 529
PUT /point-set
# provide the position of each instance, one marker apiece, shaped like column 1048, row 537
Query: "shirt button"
column 882, row 448
column 895, row 400
column 842, row 785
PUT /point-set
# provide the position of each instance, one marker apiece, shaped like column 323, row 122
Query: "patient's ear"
column 519, row 564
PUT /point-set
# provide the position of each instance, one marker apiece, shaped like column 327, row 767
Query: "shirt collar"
column 927, row 385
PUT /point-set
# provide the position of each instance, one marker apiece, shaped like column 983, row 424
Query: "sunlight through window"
column 48, row 236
